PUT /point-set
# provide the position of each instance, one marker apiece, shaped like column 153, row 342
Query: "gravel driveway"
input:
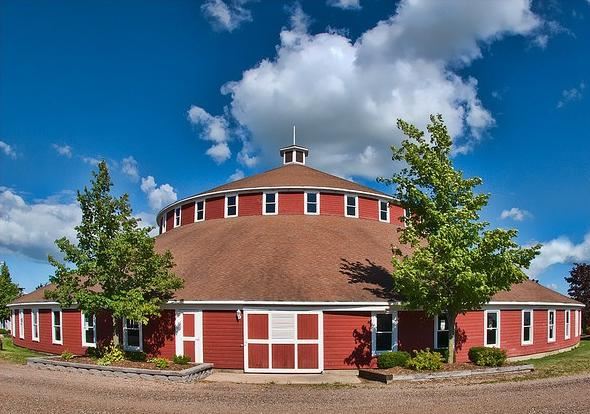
column 28, row 390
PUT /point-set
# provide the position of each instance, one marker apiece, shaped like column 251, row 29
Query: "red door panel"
column 307, row 356
column 283, row 356
column 258, row 355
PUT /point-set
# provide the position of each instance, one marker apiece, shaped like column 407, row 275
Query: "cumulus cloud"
column 91, row 161
column 344, row 95
column 226, row 15
column 212, row 128
column 7, row 150
column 237, row 175
column 345, row 4
column 515, row 214
column 30, row 229
column 63, row 150
column 147, row 220
column 560, row 251
column 158, row 196
column 130, row 168
column 571, row 95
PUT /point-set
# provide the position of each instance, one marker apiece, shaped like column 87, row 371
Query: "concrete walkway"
column 328, row 377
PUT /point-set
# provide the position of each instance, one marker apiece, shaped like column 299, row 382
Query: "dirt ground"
column 29, row 390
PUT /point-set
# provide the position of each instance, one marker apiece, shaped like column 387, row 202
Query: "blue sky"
column 181, row 96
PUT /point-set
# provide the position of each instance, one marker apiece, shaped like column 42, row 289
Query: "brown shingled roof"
column 531, row 291
column 35, row 296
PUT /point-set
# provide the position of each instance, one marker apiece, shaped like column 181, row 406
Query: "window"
column 312, row 203
column 350, row 207
column 384, row 332
column 231, row 206
column 492, row 328
column 88, row 330
column 177, row 213
column 551, row 326
column 299, row 157
column 163, row 223
column 441, row 332
column 527, row 327
column 132, row 335
column 200, row 210
column 21, row 324
column 35, row 324
column 270, row 204
column 13, row 323
column 384, row 211
column 567, row 324
column 56, row 334
column 288, row 157
column 580, row 322
column 576, row 331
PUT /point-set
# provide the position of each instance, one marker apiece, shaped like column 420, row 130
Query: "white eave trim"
column 505, row 303
column 40, row 304
column 274, row 302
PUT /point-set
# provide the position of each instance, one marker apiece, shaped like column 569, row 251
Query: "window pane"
column 89, row 335
column 443, row 325
column 200, row 215
column 288, row 156
column 131, row 324
column 312, row 197
column 384, row 323
column 491, row 337
column 57, row 333
column 270, row 198
column 567, row 317
column 442, row 339
column 56, row 318
column 383, row 341
column 270, row 208
column 231, row 201
column 526, row 335
column 133, row 337
column 384, row 215
column 199, row 205
column 299, row 156
column 551, row 317
column 492, row 320
column 350, row 201
column 350, row 211
column 527, row 318
column 231, row 211
column 312, row 208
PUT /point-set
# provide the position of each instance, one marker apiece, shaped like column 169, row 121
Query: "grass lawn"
column 576, row 361
column 15, row 354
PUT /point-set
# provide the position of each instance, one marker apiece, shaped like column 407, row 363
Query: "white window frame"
column 197, row 210
column 84, row 329
column 13, row 323
column 387, row 210
column 567, row 324
column 164, row 217
column 374, row 332
column 356, row 205
column 549, row 337
column 576, row 327
column 21, row 323
column 531, row 327
column 126, row 345
column 436, row 331
column 485, row 328
column 580, row 322
column 226, row 206
column 53, row 326
column 317, row 198
column 35, row 324
column 177, row 217
column 264, row 202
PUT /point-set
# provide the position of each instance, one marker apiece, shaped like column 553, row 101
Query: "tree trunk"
column 451, row 316
column 116, row 340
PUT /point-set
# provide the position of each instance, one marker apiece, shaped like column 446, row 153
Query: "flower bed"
column 129, row 364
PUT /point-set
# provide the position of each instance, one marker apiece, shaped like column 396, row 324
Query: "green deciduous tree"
column 579, row 281
column 113, row 266
column 456, row 263
column 9, row 291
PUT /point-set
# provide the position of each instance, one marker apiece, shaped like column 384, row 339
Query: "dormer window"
column 351, row 206
column 294, row 154
column 270, row 205
column 200, row 210
column 384, row 211
column 177, row 213
column 231, row 205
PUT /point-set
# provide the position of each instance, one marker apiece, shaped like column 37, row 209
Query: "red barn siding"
column 307, row 326
column 415, row 331
column 347, row 339
column 331, row 204
column 469, row 333
column 250, row 204
column 395, row 214
column 215, row 207
column 368, row 208
column 223, row 339
column 159, row 335
column 170, row 220
column 187, row 215
column 291, row 203
column 283, row 356
column 258, row 356
column 307, row 356
column 257, row 326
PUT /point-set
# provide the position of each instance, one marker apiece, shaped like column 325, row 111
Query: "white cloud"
column 158, row 196
column 237, row 175
column 560, row 251
column 515, row 214
column 219, row 152
column 7, row 150
column 147, row 220
column 129, row 168
column 30, row 229
column 571, row 95
column 344, row 95
column 63, row 150
column 91, row 161
column 213, row 128
column 226, row 15
column 345, row 4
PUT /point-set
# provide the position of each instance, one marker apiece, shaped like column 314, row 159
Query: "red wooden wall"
column 250, row 204
column 187, row 215
column 223, row 339
column 347, row 340
column 291, row 203
column 368, row 208
column 214, row 208
column 331, row 204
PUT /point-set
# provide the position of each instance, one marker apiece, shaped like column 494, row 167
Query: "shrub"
column 393, row 359
column 4, row 331
column 66, row 355
column 136, row 356
column 182, row 359
column 444, row 352
column 588, row 330
column 111, row 353
column 487, row 357
column 425, row 361
column 160, row 363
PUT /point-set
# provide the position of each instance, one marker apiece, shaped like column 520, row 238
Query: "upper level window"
column 56, row 334
column 35, row 324
column 577, row 323
column 351, row 206
column 163, row 223
column 132, row 335
column 551, row 325
column 88, row 329
column 527, row 327
column 177, row 213
column 21, row 324
column 13, row 323
column 312, row 203
column 384, row 211
column 270, row 205
column 299, row 157
column 288, row 157
column 231, row 206
column 567, row 324
column 200, row 210
column 492, row 328
column 441, row 335
column 383, row 332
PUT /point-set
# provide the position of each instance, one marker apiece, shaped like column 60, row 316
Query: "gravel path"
column 28, row 390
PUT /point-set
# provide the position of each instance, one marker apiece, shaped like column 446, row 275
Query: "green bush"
column 136, row 356
column 110, row 354
column 66, row 355
column 444, row 352
column 160, row 363
column 487, row 357
column 4, row 331
column 425, row 361
column 182, row 359
column 393, row 359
